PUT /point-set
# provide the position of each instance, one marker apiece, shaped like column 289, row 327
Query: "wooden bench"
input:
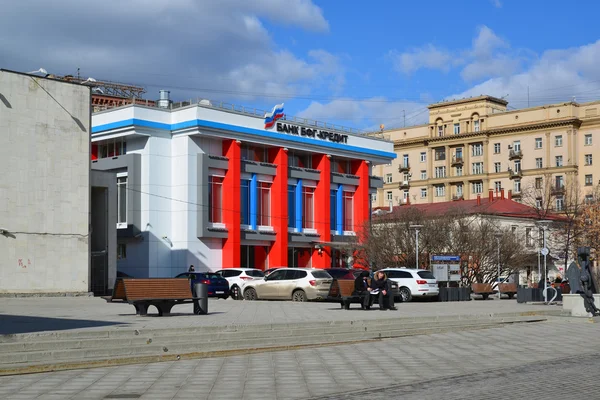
column 483, row 289
column 509, row 289
column 342, row 290
column 162, row 293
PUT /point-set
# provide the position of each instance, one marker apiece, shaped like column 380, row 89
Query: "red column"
column 279, row 208
column 361, row 206
column 304, row 255
column 321, row 162
column 231, row 205
column 260, row 257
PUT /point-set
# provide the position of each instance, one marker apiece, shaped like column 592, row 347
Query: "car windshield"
column 321, row 274
column 255, row 273
column 426, row 274
column 337, row 273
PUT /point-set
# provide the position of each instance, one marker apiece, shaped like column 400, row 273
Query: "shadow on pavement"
column 13, row 324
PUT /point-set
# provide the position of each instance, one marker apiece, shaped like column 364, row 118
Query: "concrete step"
column 191, row 346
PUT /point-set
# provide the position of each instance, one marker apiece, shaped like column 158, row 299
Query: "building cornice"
column 424, row 141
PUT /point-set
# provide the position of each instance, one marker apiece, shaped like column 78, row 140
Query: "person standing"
column 386, row 296
column 361, row 288
column 192, row 269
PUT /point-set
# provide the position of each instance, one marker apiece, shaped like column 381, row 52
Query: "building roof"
column 468, row 100
column 498, row 206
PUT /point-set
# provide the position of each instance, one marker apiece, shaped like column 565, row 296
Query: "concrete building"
column 472, row 145
column 219, row 186
column 45, row 230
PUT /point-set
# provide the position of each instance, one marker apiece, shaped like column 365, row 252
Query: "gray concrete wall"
column 44, row 185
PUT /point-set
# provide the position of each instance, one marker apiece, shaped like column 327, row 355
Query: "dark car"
column 217, row 285
column 123, row 275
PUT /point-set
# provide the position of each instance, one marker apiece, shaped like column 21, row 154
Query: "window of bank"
column 110, row 148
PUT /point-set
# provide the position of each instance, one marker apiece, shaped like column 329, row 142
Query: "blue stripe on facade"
column 253, row 200
column 339, row 199
column 299, row 206
column 240, row 129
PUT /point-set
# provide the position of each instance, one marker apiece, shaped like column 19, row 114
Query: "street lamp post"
column 498, row 237
column 543, row 226
column 416, row 228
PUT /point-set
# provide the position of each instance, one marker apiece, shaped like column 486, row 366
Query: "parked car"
column 217, row 285
column 123, row 275
column 269, row 270
column 413, row 282
column 297, row 284
column 237, row 277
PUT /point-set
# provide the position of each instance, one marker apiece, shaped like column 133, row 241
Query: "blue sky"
column 354, row 63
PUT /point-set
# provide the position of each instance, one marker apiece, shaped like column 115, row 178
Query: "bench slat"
column 157, row 289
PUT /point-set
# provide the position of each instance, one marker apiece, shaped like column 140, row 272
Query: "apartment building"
column 474, row 145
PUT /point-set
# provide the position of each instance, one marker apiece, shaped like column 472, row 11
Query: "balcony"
column 516, row 195
column 515, row 174
column 458, row 197
column 457, row 161
column 515, row 155
column 404, row 185
column 404, row 167
column 557, row 189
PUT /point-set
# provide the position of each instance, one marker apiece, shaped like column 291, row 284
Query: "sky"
column 354, row 63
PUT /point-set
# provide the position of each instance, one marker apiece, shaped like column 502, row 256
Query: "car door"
column 268, row 289
column 289, row 283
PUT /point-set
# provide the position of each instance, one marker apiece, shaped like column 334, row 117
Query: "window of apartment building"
column 560, row 203
column 477, row 149
column 373, row 197
column 528, row 237
column 559, row 182
column 517, row 165
column 517, row 146
column 215, row 199
column 440, row 154
column 440, row 172
column 588, row 159
column 458, row 153
column 440, row 130
column 112, row 148
column 538, row 203
column 476, row 125
column 245, row 201
column 405, row 195
column 308, row 206
column 459, row 190
column 558, row 141
column 348, row 211
column 539, row 163
column 456, row 129
column 121, row 251
column 423, row 193
column 497, row 186
column 588, row 199
column 388, row 196
column 477, row 187
column 388, row 178
column 299, row 159
column 122, row 201
column 292, row 205
column 539, row 182
column 517, row 186
column 538, row 143
column 440, row 191
column 497, row 148
column 406, row 176
column 588, row 139
column 497, row 167
column 459, row 171
column 588, row 180
column 263, row 212
column 405, row 163
column 559, row 161
column 477, row 168
column 423, row 175
column 423, row 156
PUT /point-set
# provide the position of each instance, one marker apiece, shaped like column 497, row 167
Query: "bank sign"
column 292, row 129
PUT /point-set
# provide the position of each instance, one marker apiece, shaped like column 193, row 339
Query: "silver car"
column 297, row 284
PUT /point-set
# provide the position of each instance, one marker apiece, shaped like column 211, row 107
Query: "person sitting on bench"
column 381, row 283
column 361, row 288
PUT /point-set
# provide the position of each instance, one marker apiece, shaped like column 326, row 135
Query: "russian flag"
column 274, row 115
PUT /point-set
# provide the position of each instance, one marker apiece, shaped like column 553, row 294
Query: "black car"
column 217, row 285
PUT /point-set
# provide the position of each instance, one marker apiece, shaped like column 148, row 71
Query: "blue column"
column 253, row 200
column 299, row 207
column 339, row 200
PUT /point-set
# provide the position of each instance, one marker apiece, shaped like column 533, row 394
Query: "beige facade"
column 475, row 145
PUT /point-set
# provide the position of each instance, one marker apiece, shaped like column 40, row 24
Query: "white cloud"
column 428, row 56
column 496, row 3
column 212, row 47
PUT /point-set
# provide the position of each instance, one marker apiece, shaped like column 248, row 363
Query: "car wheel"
column 250, row 294
column 299, row 295
column 405, row 294
column 235, row 293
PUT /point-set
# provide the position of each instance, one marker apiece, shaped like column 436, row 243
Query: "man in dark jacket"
column 386, row 296
column 361, row 287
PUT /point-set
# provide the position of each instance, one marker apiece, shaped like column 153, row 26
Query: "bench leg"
column 164, row 308
column 347, row 304
column 511, row 295
column 485, row 296
column 141, row 309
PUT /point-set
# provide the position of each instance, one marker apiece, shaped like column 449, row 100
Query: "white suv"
column 413, row 282
column 237, row 277
column 296, row 284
